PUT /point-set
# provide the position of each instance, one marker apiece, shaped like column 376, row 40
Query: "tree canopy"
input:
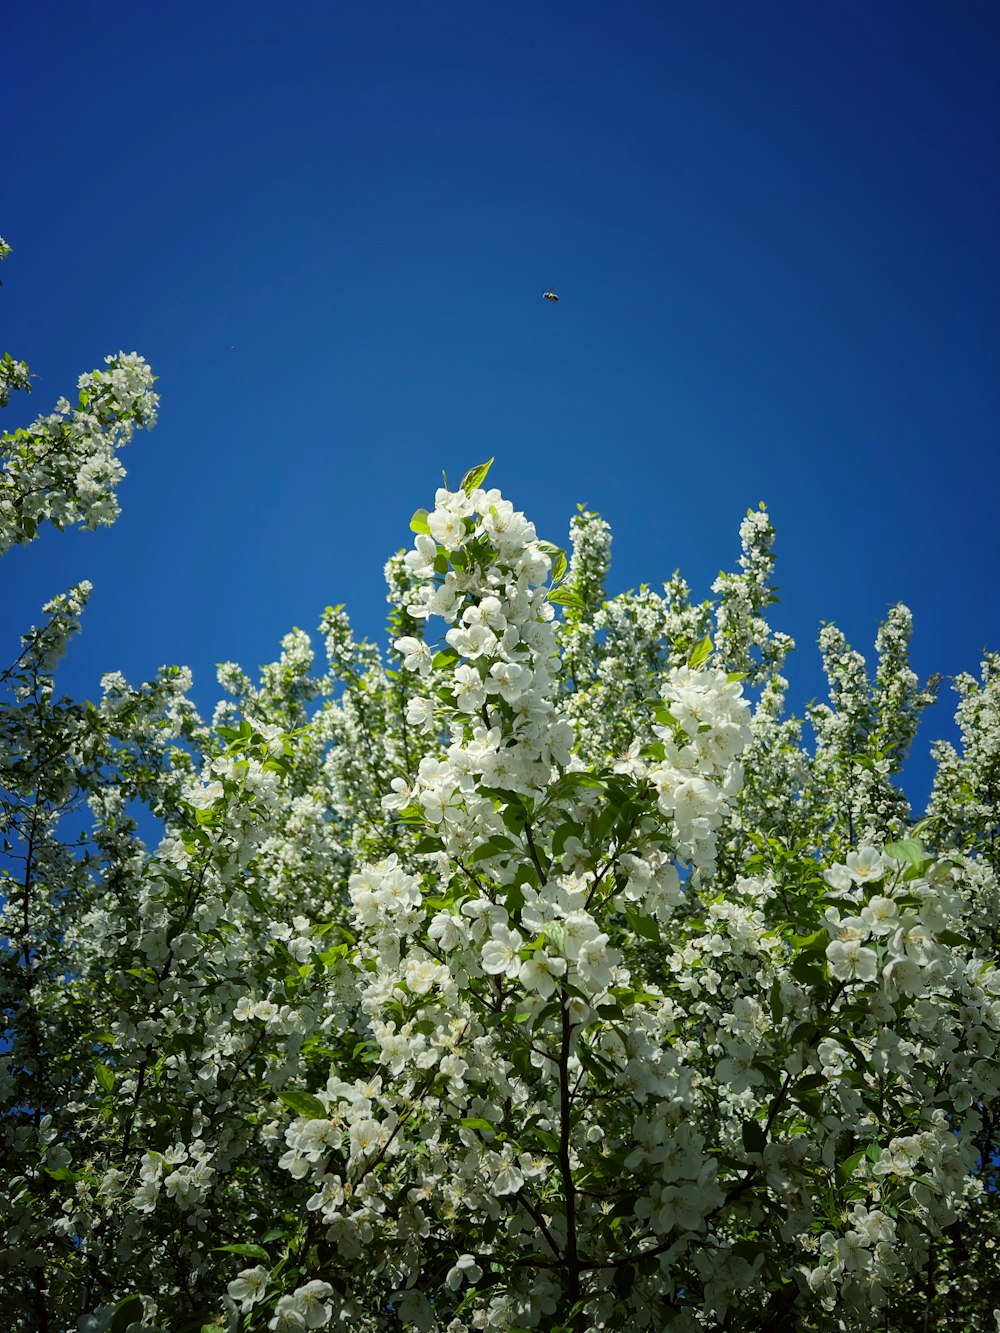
column 536, row 970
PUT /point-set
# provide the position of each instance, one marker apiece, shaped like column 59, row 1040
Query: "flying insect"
column 550, row 296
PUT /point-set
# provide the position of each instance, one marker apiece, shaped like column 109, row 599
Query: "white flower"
column 311, row 1300
column 145, row 1197
column 472, row 641
column 400, row 797
column 295, row 1163
column 539, row 971
column 420, row 713
column 849, row 961
column 468, row 689
column 508, row 1178
column 249, row 1287
column 577, row 928
column 839, row 879
column 501, row 953
column 865, row 865
column 180, row 1185
column 453, row 1066
column 881, row 915
column 422, row 974
column 330, row 1195
column 366, row 1137
column 465, row 1270
column 449, row 931
column 203, row 798
column 630, row 762
column 594, row 961
column 288, row 1316
column 904, row 976
column 508, row 680
column 415, row 653
column 736, row 1071
column 447, row 528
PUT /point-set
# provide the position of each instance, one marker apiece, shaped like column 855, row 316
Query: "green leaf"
column 807, row 968
column 305, row 1104
column 848, row 1045
column 418, row 523
column 644, row 926
column 142, row 973
column 105, row 1076
column 803, row 1035
column 700, row 652
column 663, row 715
column 624, row 1205
column 754, row 1138
column 810, row 1101
column 570, row 782
column 557, row 556
column 62, row 1173
column 476, row 1122
column 562, row 835
column 127, row 1312
column 814, row 943
column 847, row 1167
column 908, row 850
column 546, row 1138
column 495, row 846
column 514, row 816
column 251, row 1251
column 475, row 477
column 952, row 938
column 810, row 1082
column 599, row 828
column 413, row 814
column 567, row 597
column 514, row 900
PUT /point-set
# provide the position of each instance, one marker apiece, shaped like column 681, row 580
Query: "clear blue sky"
column 772, row 226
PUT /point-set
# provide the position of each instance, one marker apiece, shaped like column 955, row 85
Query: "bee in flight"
column 550, row 296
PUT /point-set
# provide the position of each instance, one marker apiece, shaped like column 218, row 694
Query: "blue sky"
column 772, row 227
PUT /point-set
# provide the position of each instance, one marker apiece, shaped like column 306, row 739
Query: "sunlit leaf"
column 475, row 477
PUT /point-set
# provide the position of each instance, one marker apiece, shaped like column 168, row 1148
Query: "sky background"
column 772, row 227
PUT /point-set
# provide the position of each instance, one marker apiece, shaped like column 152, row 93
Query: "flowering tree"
column 535, row 973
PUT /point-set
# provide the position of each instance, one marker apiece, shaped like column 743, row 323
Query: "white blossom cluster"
column 64, row 468
column 540, row 979
column 14, row 375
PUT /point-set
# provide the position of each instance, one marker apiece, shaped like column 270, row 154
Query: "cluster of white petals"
column 64, row 468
